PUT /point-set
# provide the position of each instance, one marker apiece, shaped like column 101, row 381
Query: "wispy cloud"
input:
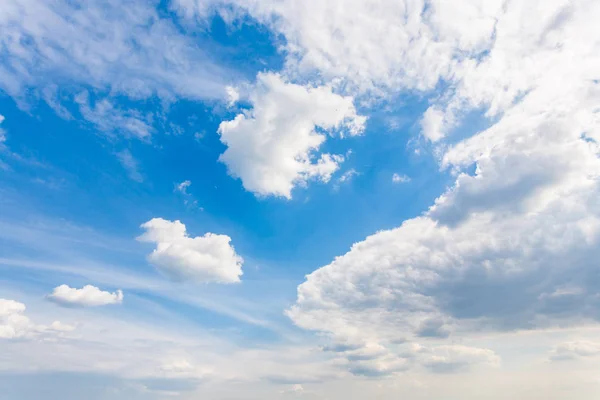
column 397, row 178
column 136, row 53
column 130, row 164
column 111, row 120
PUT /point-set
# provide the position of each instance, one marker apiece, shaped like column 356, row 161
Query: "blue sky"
column 288, row 199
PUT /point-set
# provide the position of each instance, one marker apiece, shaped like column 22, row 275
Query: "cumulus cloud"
column 10, row 307
column 87, row 296
column 15, row 325
column 272, row 147
column 376, row 46
column 508, row 247
column 208, row 258
column 486, row 52
column 433, row 124
column 510, row 244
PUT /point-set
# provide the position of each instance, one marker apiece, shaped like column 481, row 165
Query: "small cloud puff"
column 88, row 296
column 182, row 187
column 396, row 178
column 208, row 258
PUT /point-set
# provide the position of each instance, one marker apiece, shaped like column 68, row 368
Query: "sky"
column 299, row 199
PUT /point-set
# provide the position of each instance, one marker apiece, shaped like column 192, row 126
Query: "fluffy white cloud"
column 377, row 44
column 87, row 296
column 433, row 124
column 511, row 244
column 208, row 258
column 10, row 307
column 508, row 247
column 15, row 325
column 271, row 147
column 488, row 54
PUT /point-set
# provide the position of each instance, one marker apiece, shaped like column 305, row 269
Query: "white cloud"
column 433, row 124
column 182, row 187
column 397, row 178
column 487, row 53
column 297, row 391
column 10, row 307
column 111, row 120
column 136, row 53
column 509, row 245
column 272, row 147
column 379, row 45
column 575, row 350
column 15, row 325
column 233, row 95
column 188, row 199
column 456, row 358
column 208, row 258
column 130, row 164
column 58, row 326
column 493, row 251
column 2, row 131
column 88, row 296
column 348, row 175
